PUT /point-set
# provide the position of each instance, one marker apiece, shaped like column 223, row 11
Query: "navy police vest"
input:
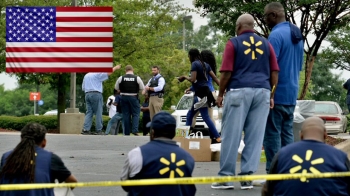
column 129, row 84
column 164, row 160
column 251, row 68
column 42, row 175
column 154, row 83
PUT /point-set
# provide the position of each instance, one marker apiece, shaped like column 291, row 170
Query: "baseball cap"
column 162, row 120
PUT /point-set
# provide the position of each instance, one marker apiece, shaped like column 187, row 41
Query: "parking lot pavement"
column 101, row 158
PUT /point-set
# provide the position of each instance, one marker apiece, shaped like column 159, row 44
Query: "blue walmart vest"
column 164, row 160
column 313, row 157
column 42, row 175
column 251, row 68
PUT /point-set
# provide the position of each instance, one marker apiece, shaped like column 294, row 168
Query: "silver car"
column 332, row 114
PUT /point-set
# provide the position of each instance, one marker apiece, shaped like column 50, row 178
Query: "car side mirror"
column 173, row 107
column 345, row 112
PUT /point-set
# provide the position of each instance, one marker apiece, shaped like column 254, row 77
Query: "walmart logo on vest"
column 312, row 169
column 253, row 47
column 174, row 164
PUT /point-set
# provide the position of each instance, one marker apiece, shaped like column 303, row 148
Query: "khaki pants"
column 210, row 111
column 155, row 105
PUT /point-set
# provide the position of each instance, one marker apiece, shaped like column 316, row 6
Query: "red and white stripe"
column 84, row 43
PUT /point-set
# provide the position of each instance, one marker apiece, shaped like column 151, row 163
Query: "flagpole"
column 73, row 78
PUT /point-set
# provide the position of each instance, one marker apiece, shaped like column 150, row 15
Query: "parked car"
column 52, row 112
column 182, row 108
column 332, row 114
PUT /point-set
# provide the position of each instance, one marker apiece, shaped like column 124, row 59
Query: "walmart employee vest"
column 164, row 160
column 311, row 157
column 42, row 175
column 252, row 62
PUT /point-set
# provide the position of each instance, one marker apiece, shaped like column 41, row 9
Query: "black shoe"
column 100, row 133
column 85, row 132
column 136, row 134
column 246, row 185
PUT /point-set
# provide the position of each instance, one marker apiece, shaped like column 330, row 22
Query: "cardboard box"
column 215, row 156
column 198, row 148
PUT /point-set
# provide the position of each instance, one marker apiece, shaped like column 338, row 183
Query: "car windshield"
column 325, row 108
column 185, row 103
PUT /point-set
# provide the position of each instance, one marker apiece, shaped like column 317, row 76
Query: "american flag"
column 59, row 39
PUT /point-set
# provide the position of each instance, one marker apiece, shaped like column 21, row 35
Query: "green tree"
column 338, row 53
column 316, row 18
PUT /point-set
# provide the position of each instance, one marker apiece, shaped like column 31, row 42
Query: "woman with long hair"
column 30, row 163
column 200, row 73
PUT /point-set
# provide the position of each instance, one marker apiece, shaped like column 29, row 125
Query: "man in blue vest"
column 311, row 155
column 159, row 158
column 249, row 75
column 287, row 42
column 129, row 86
column 155, row 88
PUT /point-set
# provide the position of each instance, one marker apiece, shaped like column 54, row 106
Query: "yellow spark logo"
column 173, row 161
column 299, row 160
column 252, row 42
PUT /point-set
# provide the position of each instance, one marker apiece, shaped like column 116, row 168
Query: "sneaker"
column 259, row 182
column 246, row 185
column 85, row 132
column 222, row 185
column 136, row 134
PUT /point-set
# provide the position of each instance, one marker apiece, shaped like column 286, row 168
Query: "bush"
column 50, row 122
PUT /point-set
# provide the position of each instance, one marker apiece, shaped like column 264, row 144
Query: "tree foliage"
column 327, row 86
column 313, row 17
column 338, row 53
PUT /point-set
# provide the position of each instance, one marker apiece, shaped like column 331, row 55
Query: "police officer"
column 155, row 88
column 129, row 86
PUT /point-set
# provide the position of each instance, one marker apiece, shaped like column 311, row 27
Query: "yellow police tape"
column 168, row 181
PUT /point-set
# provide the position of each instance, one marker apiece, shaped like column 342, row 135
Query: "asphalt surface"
column 101, row 158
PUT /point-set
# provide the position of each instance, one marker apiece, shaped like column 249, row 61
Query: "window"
column 324, row 108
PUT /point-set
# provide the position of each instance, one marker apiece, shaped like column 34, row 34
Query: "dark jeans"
column 145, row 129
column 130, row 106
column 279, row 131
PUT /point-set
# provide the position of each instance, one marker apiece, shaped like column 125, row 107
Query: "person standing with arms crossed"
column 93, row 88
column 155, row 90
column 249, row 73
column 287, row 41
column 129, row 86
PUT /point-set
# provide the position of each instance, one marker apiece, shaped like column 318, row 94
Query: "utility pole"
column 73, row 78
column 189, row 17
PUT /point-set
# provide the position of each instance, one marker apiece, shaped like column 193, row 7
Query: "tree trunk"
column 61, row 97
column 309, row 64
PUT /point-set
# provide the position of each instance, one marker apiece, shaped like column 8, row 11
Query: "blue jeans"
column 244, row 109
column 117, row 118
column 130, row 106
column 94, row 102
column 279, row 131
column 205, row 115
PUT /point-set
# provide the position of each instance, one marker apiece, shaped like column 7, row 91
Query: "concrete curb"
column 344, row 146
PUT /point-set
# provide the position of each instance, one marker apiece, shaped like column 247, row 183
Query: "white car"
column 332, row 114
column 182, row 108
column 52, row 113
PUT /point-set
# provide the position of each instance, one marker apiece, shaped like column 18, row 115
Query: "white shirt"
column 111, row 108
